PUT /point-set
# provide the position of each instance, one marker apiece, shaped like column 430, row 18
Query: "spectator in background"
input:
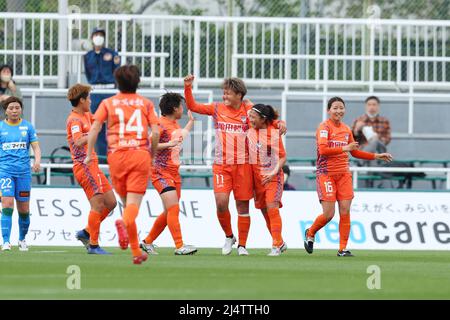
column 287, row 173
column 99, row 65
column 8, row 87
column 372, row 131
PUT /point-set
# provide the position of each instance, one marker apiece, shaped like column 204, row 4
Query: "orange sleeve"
column 192, row 105
column 75, row 127
column 322, row 141
column 363, row 155
column 102, row 112
column 151, row 116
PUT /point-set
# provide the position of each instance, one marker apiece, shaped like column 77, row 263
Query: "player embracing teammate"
column 231, row 169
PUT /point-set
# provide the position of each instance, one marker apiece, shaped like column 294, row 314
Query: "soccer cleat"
column 122, row 234
column 23, row 245
column 283, row 247
column 344, row 253
column 185, row 250
column 139, row 259
column 228, row 246
column 6, row 246
column 149, row 248
column 84, row 237
column 275, row 252
column 97, row 250
column 242, row 251
column 308, row 243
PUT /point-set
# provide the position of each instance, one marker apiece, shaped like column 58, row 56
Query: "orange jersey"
column 230, row 126
column 128, row 117
column 332, row 136
column 78, row 126
column 265, row 148
column 168, row 158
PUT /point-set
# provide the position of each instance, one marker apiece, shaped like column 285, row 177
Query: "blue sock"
column 24, row 223
column 6, row 222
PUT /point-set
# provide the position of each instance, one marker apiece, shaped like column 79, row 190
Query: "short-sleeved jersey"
column 265, row 148
column 332, row 136
column 168, row 159
column 78, row 126
column 15, row 140
column 231, row 126
column 128, row 117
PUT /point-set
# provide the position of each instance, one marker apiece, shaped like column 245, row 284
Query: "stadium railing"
column 206, row 171
column 280, row 52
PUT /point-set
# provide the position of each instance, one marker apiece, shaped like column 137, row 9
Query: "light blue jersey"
column 15, row 140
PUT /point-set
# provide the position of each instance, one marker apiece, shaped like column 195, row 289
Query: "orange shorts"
column 162, row 179
column 335, row 187
column 91, row 179
column 130, row 171
column 269, row 193
column 234, row 177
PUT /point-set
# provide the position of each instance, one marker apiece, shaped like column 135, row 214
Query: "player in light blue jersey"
column 16, row 136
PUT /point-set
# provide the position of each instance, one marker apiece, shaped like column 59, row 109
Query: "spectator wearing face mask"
column 8, row 87
column 99, row 65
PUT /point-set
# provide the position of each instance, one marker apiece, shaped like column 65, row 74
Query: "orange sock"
column 104, row 214
column 174, row 225
column 318, row 224
column 275, row 226
column 129, row 217
column 344, row 230
column 225, row 222
column 243, row 228
column 94, row 227
column 266, row 217
column 158, row 227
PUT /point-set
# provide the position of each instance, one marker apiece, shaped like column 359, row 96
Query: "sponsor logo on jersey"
column 75, row 129
column 23, row 128
column 323, row 133
column 231, row 127
column 14, row 146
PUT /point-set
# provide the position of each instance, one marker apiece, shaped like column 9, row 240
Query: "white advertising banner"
column 380, row 220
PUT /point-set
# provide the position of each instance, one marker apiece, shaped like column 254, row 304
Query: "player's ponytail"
column 266, row 111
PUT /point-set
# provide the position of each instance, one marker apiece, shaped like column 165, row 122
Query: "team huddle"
column 249, row 156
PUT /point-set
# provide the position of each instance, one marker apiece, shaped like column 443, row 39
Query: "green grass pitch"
column 41, row 273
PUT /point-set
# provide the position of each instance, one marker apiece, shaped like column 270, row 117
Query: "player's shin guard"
column 6, row 222
column 243, row 228
column 225, row 223
column 344, row 230
column 267, row 218
column 24, row 224
column 94, row 226
column 129, row 217
column 158, row 227
column 275, row 225
column 174, row 225
column 318, row 224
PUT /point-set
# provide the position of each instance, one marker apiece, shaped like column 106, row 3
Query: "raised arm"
column 192, row 105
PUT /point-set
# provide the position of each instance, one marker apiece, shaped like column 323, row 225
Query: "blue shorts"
column 17, row 187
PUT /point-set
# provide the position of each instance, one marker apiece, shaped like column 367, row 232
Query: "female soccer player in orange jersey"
column 165, row 175
column 334, row 180
column 267, row 157
column 231, row 169
column 90, row 177
column 128, row 116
